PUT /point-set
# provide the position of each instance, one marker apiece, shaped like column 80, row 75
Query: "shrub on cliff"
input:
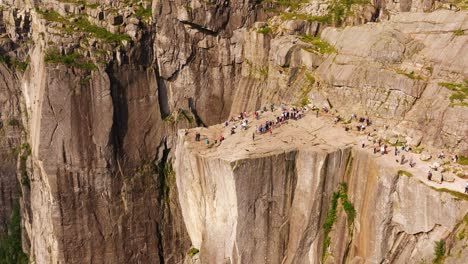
column 439, row 251
column 11, row 251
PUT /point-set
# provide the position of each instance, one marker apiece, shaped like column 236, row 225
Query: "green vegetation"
column 11, row 251
column 186, row 116
column 457, row 195
column 257, row 71
column 304, row 99
column 305, row 17
column 52, row 16
column 462, row 4
column 396, row 144
column 417, row 150
column 462, row 235
column 169, row 119
column 14, row 63
column 82, row 24
column 176, row 116
column 410, row 75
column 328, row 224
column 14, row 123
column 265, row 30
column 347, row 205
column 193, row 251
column 25, row 153
column 439, row 251
column 304, row 92
column 71, row 60
column 291, row 14
column 460, row 92
column 85, row 80
column 143, row 13
column 319, row 45
column 331, row 215
column 462, row 160
column 167, row 180
column 291, row 4
column 340, row 9
column 458, row 32
column 406, row 173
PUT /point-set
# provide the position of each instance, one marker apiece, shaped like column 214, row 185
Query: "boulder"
column 448, row 177
column 437, row 176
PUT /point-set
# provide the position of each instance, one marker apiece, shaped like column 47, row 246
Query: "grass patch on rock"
column 14, row 63
column 457, row 195
column 460, row 92
column 439, row 251
column 405, row 173
column 82, row 24
column 265, row 30
column 462, row 160
column 74, row 60
column 458, row 32
column 143, row 13
column 320, row 46
column 291, row 4
column 341, row 194
column 410, row 75
column 193, row 251
column 11, row 250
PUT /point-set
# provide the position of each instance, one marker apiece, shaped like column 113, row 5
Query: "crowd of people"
column 379, row 146
column 242, row 121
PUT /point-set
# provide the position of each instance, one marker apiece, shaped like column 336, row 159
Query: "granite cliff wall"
column 273, row 208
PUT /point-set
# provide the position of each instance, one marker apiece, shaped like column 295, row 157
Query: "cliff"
column 93, row 93
column 308, row 194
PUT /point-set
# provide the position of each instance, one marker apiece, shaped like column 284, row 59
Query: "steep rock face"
column 271, row 207
column 95, row 182
column 10, row 127
column 208, row 53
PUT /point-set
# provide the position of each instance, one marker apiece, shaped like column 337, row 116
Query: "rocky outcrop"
column 271, row 207
column 394, row 73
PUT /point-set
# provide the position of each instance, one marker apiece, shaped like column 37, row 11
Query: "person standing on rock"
column 253, row 136
column 466, row 188
column 429, row 175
